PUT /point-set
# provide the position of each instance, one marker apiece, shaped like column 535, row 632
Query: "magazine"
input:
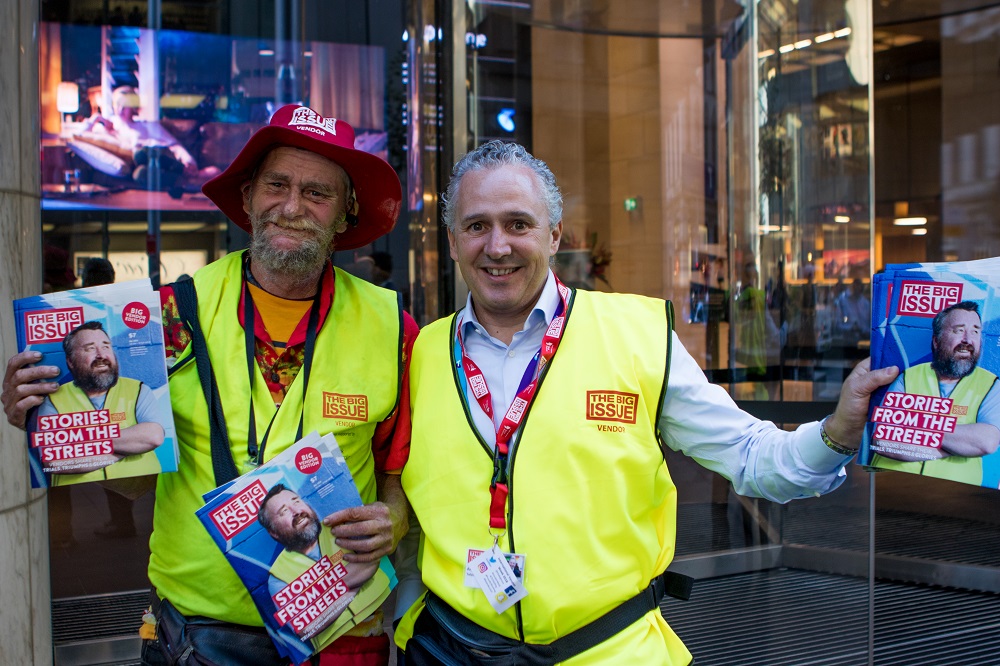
column 268, row 523
column 111, row 417
column 939, row 323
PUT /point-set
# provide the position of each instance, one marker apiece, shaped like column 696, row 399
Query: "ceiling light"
column 802, row 43
column 765, row 54
column 841, row 219
column 787, row 48
column 910, row 221
column 843, row 32
column 922, row 231
column 825, row 37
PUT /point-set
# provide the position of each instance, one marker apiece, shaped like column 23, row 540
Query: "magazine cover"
column 268, row 523
column 111, row 417
column 940, row 325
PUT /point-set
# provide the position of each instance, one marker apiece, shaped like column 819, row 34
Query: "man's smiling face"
column 296, row 205
column 294, row 523
column 502, row 240
column 956, row 350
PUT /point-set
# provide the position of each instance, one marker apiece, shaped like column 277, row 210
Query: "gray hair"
column 263, row 515
column 497, row 153
column 937, row 326
column 68, row 342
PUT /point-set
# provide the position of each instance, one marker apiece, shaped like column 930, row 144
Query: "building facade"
column 755, row 163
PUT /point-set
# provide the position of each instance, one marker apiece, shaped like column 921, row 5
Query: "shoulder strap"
column 222, row 457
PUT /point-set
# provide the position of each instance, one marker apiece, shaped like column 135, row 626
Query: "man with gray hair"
column 536, row 471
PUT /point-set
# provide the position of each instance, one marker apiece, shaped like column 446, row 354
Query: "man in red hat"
column 266, row 345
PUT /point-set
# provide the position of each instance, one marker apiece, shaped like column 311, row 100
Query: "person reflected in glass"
column 758, row 339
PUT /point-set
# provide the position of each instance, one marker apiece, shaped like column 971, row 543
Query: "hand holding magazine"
column 111, row 416
column 939, row 323
column 268, row 524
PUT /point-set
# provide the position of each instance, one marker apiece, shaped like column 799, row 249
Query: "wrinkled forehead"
column 281, row 500
column 90, row 337
column 292, row 161
column 962, row 318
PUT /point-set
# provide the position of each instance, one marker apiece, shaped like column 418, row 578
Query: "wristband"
column 832, row 445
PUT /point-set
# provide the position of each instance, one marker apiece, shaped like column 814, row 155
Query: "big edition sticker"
column 135, row 315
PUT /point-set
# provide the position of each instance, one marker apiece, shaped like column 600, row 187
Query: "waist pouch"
column 444, row 637
column 202, row 641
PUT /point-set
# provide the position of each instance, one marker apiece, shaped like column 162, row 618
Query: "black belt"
column 467, row 642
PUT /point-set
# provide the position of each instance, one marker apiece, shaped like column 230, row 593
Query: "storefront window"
column 140, row 104
column 756, row 163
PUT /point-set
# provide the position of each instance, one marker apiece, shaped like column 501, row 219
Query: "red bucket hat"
column 376, row 184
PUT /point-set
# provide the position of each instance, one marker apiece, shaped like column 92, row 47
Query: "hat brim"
column 376, row 184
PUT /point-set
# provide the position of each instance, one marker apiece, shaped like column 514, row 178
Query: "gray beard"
column 90, row 382
column 300, row 541
column 952, row 368
column 299, row 263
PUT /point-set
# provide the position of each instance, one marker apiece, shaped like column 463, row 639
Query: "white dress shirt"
column 699, row 419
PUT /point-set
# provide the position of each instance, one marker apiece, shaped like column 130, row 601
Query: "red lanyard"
column 518, row 408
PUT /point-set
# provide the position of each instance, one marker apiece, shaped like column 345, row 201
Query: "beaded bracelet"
column 832, row 445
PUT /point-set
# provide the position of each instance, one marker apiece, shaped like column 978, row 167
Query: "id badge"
column 496, row 579
column 515, row 560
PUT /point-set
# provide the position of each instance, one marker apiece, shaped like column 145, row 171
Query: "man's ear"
column 556, row 238
column 245, row 190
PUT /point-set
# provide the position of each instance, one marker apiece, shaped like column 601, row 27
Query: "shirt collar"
column 543, row 312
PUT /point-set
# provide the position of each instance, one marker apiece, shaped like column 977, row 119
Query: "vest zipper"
column 455, row 365
column 513, row 453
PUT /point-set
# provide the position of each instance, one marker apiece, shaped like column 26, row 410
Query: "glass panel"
column 700, row 168
column 138, row 110
column 938, row 140
column 809, row 242
column 423, row 118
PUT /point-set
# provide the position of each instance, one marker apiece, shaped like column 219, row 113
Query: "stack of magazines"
column 268, row 523
column 939, row 323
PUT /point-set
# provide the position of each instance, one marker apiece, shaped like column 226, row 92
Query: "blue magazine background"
column 904, row 341
column 139, row 352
